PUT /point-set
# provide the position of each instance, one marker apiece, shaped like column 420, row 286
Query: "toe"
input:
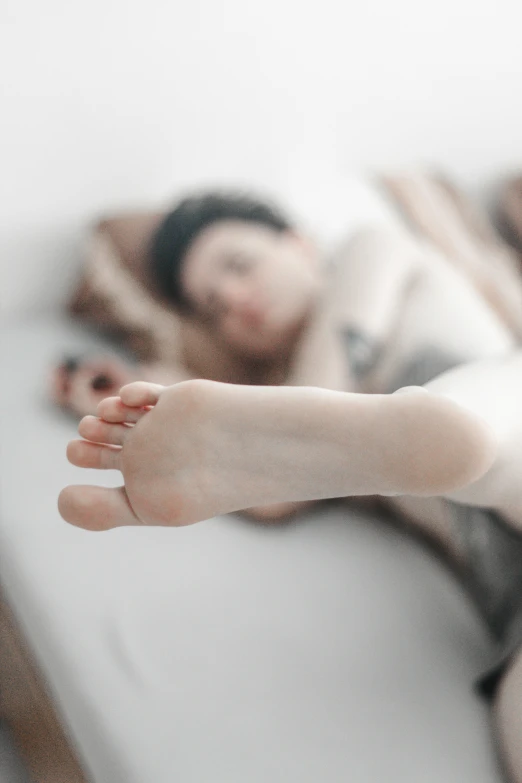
column 93, row 455
column 99, row 431
column 96, row 508
column 141, row 393
column 113, row 410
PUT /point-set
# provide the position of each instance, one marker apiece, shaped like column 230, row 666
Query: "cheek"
column 287, row 284
column 287, row 273
column 231, row 328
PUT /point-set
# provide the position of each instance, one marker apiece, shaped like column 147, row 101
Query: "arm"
column 373, row 275
column 320, row 359
column 359, row 308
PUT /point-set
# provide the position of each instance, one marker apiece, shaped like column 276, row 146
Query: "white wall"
column 114, row 103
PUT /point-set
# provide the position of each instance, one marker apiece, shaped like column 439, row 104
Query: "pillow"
column 332, row 207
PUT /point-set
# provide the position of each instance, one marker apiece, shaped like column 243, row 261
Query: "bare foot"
column 207, row 448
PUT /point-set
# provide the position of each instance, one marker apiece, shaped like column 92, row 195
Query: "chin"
column 275, row 340
column 260, row 350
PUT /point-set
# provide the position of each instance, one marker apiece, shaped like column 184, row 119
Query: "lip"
column 262, row 316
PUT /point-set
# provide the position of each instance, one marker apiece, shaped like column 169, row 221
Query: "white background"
column 117, row 103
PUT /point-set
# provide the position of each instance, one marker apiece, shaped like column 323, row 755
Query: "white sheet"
column 333, row 649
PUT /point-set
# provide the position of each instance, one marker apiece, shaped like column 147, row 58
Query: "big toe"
column 96, row 508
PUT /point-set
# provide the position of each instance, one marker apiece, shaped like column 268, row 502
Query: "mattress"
column 330, row 649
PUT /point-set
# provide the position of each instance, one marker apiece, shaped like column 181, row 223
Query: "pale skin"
column 199, row 448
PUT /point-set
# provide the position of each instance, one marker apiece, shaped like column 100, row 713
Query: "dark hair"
column 190, row 217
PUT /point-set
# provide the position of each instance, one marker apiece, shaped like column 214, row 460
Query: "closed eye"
column 239, row 264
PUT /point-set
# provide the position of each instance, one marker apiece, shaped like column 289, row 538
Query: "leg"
column 508, row 720
column 492, row 389
column 209, row 448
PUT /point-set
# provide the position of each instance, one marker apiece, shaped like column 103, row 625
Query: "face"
column 251, row 283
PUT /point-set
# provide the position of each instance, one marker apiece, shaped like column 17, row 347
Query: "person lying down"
column 250, row 279
column 389, row 311
column 389, row 375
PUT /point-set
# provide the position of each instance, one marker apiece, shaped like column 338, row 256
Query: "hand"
column 78, row 384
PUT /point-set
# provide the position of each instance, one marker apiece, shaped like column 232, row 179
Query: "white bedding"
column 330, row 650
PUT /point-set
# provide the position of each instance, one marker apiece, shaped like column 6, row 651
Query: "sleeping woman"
column 402, row 383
